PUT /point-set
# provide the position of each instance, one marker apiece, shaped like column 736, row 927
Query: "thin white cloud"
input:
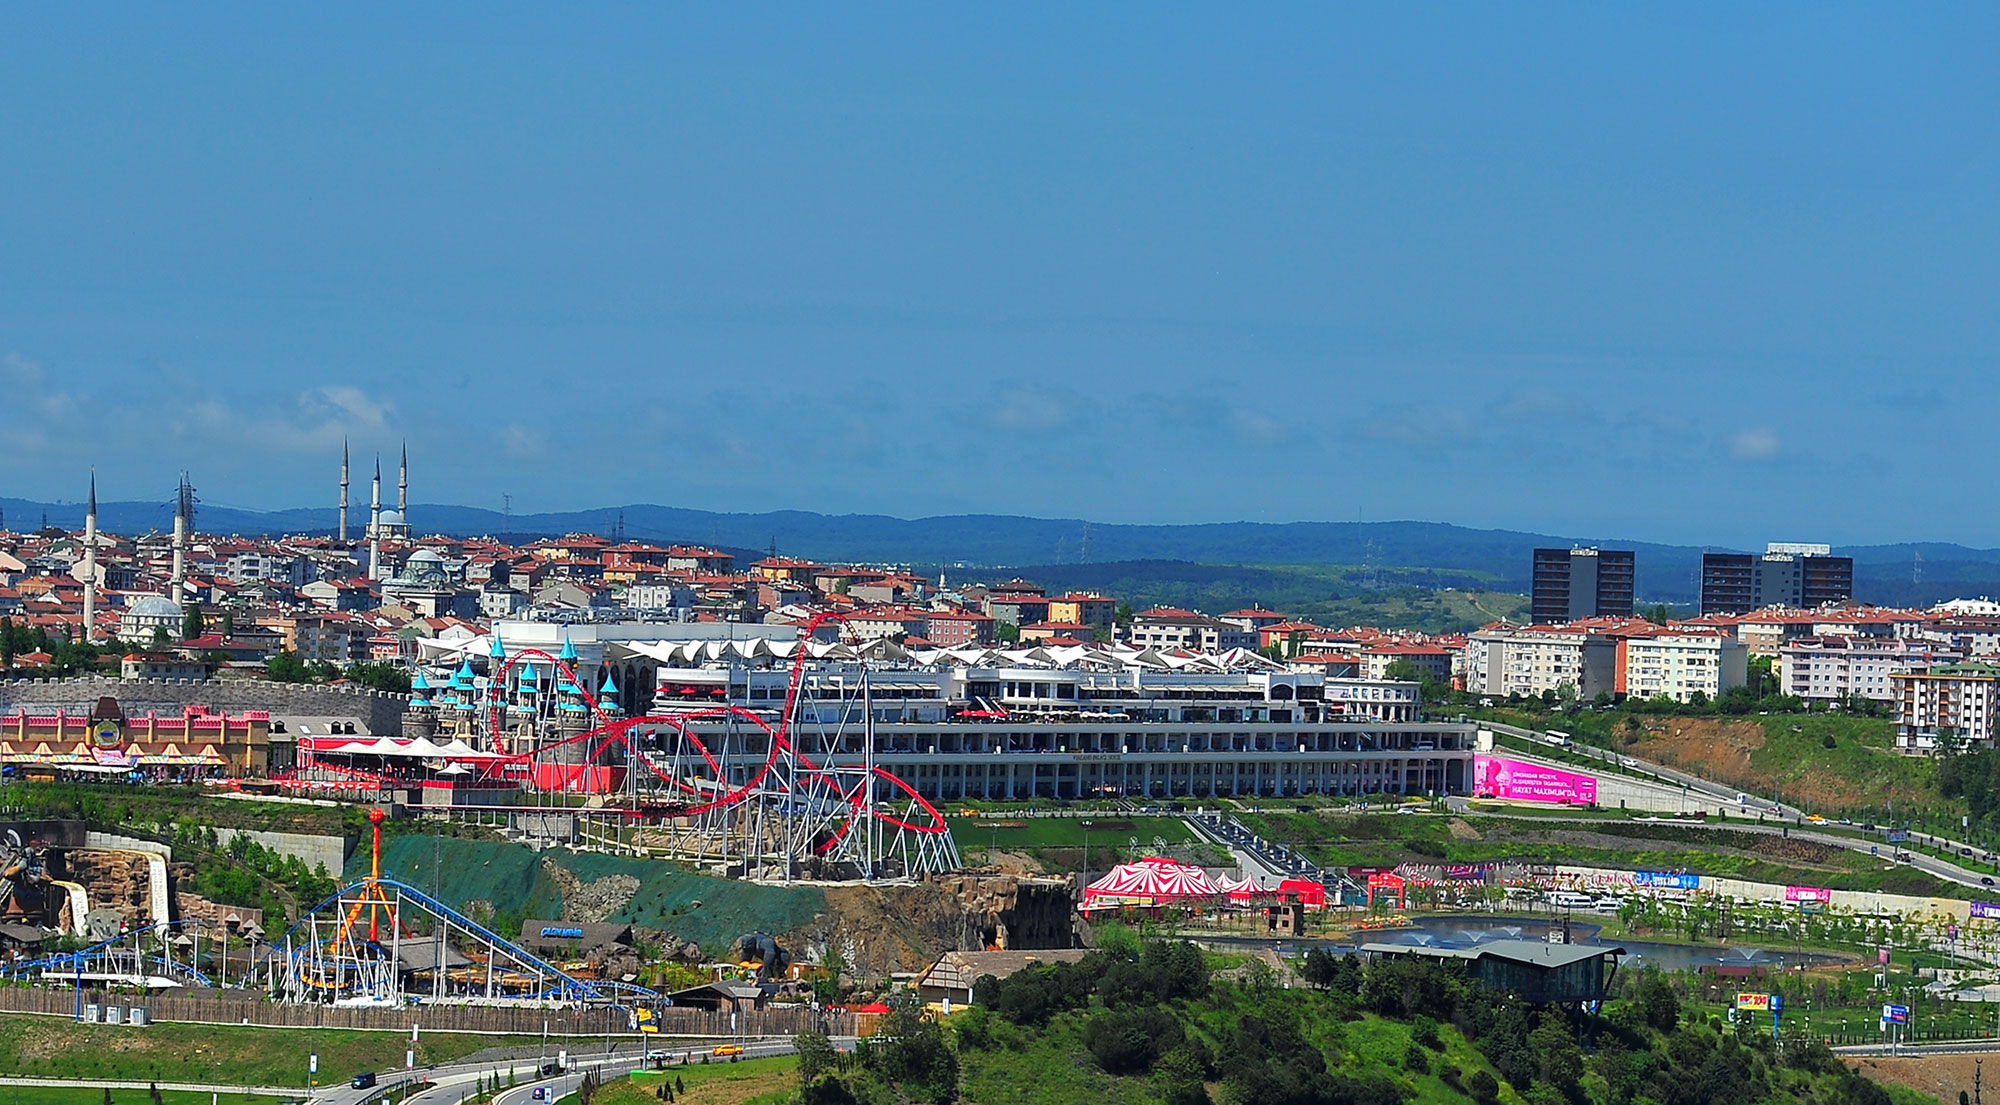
column 1753, row 445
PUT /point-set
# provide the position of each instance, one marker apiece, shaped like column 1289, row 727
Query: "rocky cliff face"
column 114, row 880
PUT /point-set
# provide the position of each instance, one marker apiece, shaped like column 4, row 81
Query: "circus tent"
column 1150, row 882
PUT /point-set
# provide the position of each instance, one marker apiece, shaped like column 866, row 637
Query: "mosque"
column 383, row 525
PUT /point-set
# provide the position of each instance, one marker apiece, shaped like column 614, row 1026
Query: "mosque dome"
column 154, row 606
column 391, row 518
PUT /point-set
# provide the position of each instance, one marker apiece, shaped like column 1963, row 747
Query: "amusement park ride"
column 758, row 791
column 705, row 782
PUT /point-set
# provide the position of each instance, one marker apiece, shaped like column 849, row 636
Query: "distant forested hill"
column 1423, row 554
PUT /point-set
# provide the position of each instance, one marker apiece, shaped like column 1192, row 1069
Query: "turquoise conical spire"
column 568, row 653
column 609, row 688
column 497, row 652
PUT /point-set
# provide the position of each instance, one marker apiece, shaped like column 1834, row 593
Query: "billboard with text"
column 1500, row 777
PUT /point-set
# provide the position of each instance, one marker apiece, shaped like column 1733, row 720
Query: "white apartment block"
column 1530, row 661
column 1826, row 669
column 1184, row 629
column 1681, row 665
column 1431, row 662
column 1959, row 697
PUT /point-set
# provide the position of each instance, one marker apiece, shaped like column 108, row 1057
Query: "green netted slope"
column 509, row 883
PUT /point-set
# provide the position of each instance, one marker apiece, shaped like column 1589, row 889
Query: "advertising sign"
column 1808, row 894
column 1989, row 911
column 1897, row 836
column 1753, row 1003
column 1666, row 881
column 1499, row 777
column 1896, row 1014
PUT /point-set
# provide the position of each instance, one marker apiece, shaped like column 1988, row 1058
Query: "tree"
column 7, row 661
column 193, row 624
column 161, row 638
column 1402, row 671
column 287, row 667
column 1123, row 615
column 816, row 1056
column 1007, row 632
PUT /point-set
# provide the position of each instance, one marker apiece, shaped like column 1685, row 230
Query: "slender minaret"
column 90, row 564
column 343, row 492
column 375, row 525
column 183, row 506
column 403, row 486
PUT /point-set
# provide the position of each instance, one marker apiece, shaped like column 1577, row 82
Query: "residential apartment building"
column 1960, row 697
column 1433, row 663
column 1786, row 574
column 1680, row 665
column 1093, row 610
column 1166, row 627
column 958, row 628
column 1572, row 584
column 1827, row 669
column 1529, row 660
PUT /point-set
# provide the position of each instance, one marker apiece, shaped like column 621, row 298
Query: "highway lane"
column 456, row 1082
column 1950, row 872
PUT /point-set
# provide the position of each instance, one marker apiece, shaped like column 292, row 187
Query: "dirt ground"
column 1941, row 1076
column 1710, row 747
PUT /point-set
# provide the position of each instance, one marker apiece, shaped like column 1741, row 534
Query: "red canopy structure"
column 1150, row 882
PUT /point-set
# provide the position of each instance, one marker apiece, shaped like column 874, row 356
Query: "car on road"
column 727, row 1049
column 362, row 1081
column 1986, row 880
column 551, row 1068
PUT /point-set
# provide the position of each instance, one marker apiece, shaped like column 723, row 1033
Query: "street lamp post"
column 1086, row 853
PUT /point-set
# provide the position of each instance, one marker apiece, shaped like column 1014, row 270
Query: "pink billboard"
column 1808, row 894
column 1499, row 777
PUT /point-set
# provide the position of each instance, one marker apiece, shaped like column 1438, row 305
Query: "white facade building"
column 1681, row 665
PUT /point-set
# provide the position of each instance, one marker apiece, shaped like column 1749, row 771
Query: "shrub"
column 1485, row 1088
column 1415, row 1058
column 1424, row 1031
column 1127, row 1041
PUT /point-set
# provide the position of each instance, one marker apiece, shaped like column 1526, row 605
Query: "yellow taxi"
column 727, row 1049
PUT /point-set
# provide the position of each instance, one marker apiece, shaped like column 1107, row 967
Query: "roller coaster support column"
column 375, row 870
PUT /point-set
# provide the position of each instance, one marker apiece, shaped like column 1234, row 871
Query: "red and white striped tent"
column 1244, row 890
column 1150, row 882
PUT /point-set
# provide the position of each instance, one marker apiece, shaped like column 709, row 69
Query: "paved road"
column 1950, row 872
column 1962, row 1047
column 456, row 1081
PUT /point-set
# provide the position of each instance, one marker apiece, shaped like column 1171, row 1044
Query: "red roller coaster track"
column 619, row 731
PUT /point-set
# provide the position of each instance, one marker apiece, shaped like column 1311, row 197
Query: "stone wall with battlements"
column 381, row 712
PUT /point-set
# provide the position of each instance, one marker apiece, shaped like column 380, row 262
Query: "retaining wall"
column 325, row 851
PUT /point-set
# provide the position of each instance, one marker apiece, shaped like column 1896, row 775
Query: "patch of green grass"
column 750, row 1082
column 85, row 1095
column 50, row 1047
column 1043, row 1067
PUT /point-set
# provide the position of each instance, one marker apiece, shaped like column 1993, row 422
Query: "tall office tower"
column 1785, row 574
column 1582, row 583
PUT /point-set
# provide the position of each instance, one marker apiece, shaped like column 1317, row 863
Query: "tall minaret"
column 90, row 564
column 183, row 507
column 343, row 492
column 375, row 525
column 403, row 486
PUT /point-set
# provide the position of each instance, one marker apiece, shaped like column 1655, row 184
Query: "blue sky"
column 1692, row 274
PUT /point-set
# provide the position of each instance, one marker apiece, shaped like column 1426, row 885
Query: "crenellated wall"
column 380, row 711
